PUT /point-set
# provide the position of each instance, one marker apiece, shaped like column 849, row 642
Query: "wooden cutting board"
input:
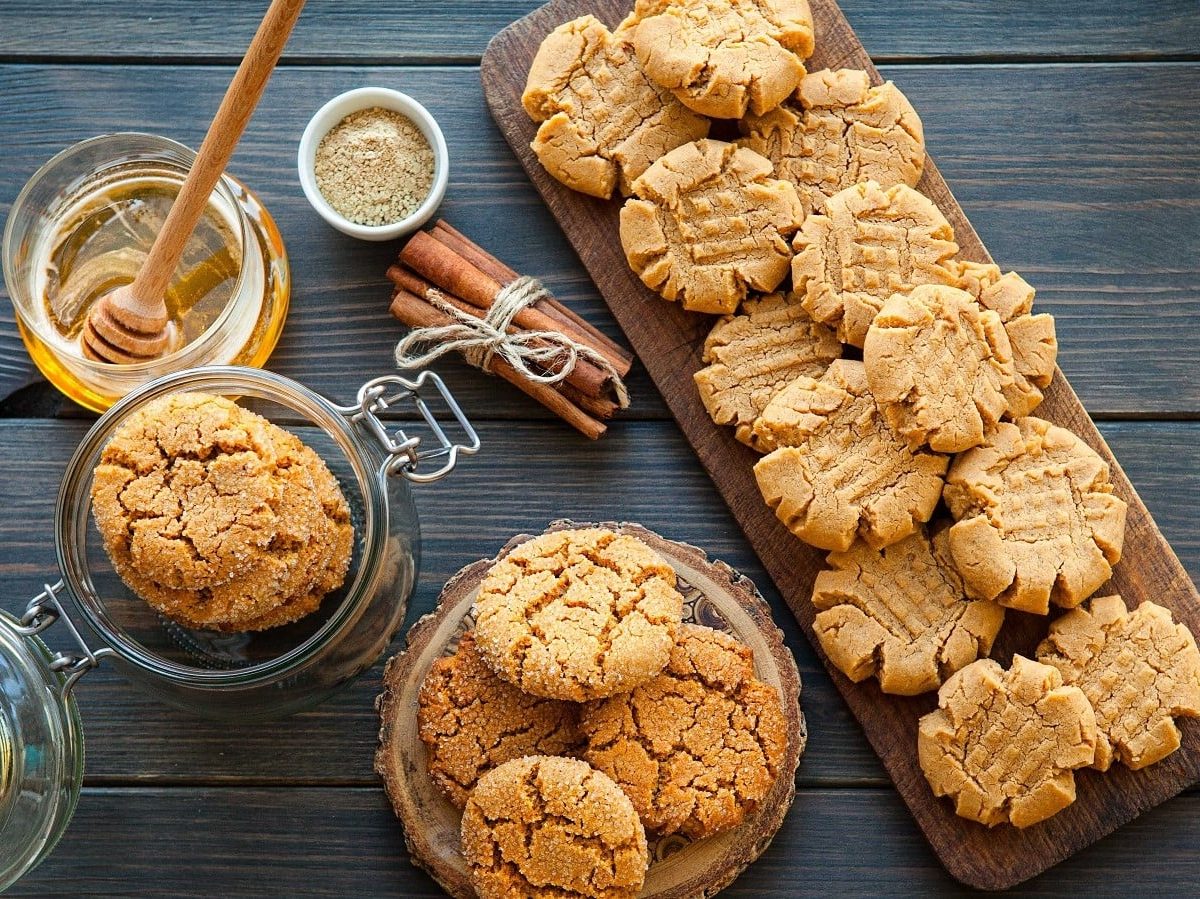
column 669, row 340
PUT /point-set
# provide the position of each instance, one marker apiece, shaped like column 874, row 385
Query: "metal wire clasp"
column 43, row 611
column 404, row 455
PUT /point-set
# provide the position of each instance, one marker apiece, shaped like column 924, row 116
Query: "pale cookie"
column 541, row 827
column 840, row 471
column 603, row 122
column 720, row 57
column 901, row 614
column 471, row 722
column 578, row 614
column 1139, row 670
column 697, row 748
column 755, row 354
column 1037, row 519
column 838, row 131
column 1004, row 744
column 1033, row 339
column 865, row 245
column 708, row 224
column 940, row 367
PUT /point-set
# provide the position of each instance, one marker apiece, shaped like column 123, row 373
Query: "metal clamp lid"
column 42, row 612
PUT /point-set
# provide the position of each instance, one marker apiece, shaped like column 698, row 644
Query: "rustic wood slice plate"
column 669, row 340
column 715, row 596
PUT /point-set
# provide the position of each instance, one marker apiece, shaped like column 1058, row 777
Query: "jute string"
column 480, row 340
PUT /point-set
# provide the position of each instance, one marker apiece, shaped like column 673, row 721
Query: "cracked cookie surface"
column 697, row 748
column 1037, row 521
column 542, row 827
column 838, row 130
column 471, row 721
column 578, row 614
column 1140, row 670
column 603, row 122
column 940, row 367
column 1004, row 744
column 864, row 245
column 752, row 356
column 722, row 57
column 836, row 469
column 708, row 223
column 901, row 614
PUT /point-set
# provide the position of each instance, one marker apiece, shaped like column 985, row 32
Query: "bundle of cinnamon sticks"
column 444, row 263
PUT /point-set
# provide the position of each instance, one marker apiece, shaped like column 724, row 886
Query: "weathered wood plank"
column 1034, row 153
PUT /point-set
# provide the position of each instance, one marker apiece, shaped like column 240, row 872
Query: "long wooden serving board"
column 669, row 340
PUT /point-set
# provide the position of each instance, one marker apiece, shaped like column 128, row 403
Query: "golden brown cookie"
column 1003, row 744
column 471, row 721
column 837, row 131
column 940, row 367
column 578, row 614
column 603, row 122
column 1140, row 670
column 1037, row 521
column 1033, row 338
column 901, row 614
column 698, row 747
column 865, row 245
column 836, row 469
column 720, row 57
column 755, row 354
column 708, row 224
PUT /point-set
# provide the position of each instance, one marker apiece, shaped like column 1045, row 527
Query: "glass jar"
column 244, row 332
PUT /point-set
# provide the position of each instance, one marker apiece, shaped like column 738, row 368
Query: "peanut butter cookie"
column 838, row 131
column 1139, row 669
column 603, row 122
column 1033, row 339
column 541, row 827
column 698, row 747
column 865, row 245
column 901, row 614
column 708, row 224
column 755, row 354
column 1004, row 744
column 940, row 367
column 720, row 57
column 836, row 469
column 1037, row 521
column 578, row 614
column 471, row 721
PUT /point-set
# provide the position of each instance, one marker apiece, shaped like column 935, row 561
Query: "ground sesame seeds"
column 374, row 167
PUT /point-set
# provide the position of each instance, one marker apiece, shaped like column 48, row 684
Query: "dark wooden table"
column 1072, row 141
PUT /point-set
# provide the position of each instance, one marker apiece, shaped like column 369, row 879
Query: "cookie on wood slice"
column 836, row 131
column 1037, row 521
column 1033, row 338
column 940, row 367
column 1139, row 669
column 901, row 614
column 836, row 470
column 865, row 245
column 1004, row 744
column 698, row 747
column 752, row 356
column 709, row 223
column 603, row 122
column 722, row 57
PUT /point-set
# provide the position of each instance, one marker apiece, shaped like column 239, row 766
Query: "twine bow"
column 544, row 357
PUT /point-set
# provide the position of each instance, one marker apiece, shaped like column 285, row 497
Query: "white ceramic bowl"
column 336, row 110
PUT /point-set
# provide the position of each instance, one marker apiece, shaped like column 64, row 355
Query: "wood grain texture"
column 1100, row 153
column 668, row 340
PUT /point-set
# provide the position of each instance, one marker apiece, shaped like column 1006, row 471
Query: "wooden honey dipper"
column 131, row 324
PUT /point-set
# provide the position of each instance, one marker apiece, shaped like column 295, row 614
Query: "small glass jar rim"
column 227, row 196
column 73, row 505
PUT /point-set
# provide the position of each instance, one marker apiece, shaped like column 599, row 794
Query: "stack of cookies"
column 581, row 713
